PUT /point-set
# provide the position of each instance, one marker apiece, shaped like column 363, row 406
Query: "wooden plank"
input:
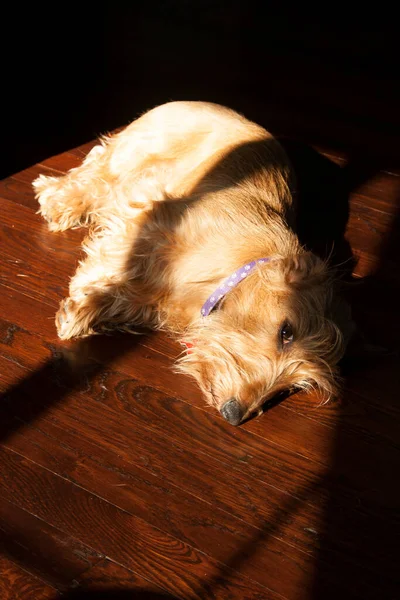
column 177, row 513
column 293, row 519
column 32, row 261
column 44, row 551
column 107, row 579
column 15, row 584
column 172, row 564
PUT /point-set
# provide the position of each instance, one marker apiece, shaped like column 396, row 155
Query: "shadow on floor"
column 367, row 462
column 69, row 369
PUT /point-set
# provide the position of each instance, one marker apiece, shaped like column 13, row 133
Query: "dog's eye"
column 286, row 334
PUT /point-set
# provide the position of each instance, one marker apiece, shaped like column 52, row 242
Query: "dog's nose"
column 232, row 411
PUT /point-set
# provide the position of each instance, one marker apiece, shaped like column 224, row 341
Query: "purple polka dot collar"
column 232, row 281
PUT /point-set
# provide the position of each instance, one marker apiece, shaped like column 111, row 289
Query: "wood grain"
column 281, row 516
column 173, row 564
column 15, row 583
column 108, row 580
column 52, row 556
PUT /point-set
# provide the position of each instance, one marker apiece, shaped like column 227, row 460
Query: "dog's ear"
column 308, row 271
column 305, row 269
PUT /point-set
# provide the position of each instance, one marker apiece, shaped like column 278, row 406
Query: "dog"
column 192, row 217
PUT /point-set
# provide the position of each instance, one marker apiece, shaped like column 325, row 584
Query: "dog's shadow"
column 69, row 369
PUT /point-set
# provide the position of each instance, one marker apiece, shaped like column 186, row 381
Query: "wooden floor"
column 117, row 481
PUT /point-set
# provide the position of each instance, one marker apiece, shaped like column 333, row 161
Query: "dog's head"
column 282, row 328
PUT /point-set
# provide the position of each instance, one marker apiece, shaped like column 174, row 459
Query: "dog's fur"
column 176, row 202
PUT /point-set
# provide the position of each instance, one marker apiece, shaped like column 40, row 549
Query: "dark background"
column 71, row 73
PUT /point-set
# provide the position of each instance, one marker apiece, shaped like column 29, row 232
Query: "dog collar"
column 232, row 281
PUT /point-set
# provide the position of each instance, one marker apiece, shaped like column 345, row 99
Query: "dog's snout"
column 232, row 411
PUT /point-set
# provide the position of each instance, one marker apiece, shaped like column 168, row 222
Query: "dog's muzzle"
column 232, row 411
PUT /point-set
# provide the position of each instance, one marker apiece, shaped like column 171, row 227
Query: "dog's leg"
column 105, row 294
column 100, row 311
column 73, row 200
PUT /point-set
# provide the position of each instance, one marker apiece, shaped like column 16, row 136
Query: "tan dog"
column 182, row 204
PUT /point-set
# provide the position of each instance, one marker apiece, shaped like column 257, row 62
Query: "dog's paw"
column 45, row 192
column 72, row 320
column 65, row 318
column 55, row 204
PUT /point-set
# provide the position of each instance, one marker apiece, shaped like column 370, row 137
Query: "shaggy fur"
column 176, row 202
